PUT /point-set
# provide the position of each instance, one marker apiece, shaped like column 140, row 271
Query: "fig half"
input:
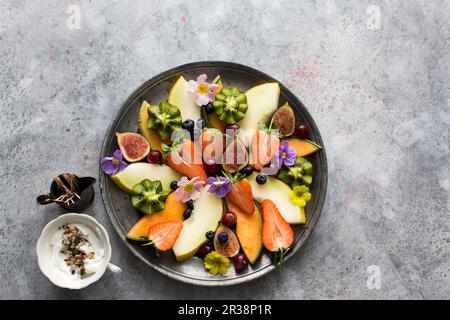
column 235, row 156
column 133, row 146
column 230, row 247
column 284, row 120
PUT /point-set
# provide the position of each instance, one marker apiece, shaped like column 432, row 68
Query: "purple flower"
column 220, row 186
column 286, row 155
column 113, row 165
column 200, row 91
column 188, row 189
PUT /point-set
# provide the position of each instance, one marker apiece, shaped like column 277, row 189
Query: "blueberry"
column 247, row 170
column 187, row 213
column 223, row 237
column 209, row 235
column 188, row 125
column 209, row 108
column 173, row 185
column 190, row 204
column 201, row 123
column 261, row 178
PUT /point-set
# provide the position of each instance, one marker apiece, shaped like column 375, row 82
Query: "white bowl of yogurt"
column 73, row 251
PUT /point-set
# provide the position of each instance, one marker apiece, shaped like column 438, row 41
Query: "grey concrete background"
column 378, row 92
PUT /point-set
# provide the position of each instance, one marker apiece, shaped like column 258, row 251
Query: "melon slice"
column 205, row 217
column 213, row 121
column 248, row 231
column 136, row 172
column 262, row 102
column 218, row 80
column 173, row 211
column 178, row 96
column 152, row 137
column 277, row 191
column 303, row 147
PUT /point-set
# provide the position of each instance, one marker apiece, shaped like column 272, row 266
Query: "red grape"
column 229, row 219
column 211, row 167
column 240, row 261
column 155, row 157
column 302, row 131
column 204, row 250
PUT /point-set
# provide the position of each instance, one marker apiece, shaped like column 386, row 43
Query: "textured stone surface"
column 379, row 94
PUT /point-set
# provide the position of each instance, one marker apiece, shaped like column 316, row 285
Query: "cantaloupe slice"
column 248, row 231
column 214, row 122
column 217, row 80
column 153, row 137
column 173, row 211
column 303, row 147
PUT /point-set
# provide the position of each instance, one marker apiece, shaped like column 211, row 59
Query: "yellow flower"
column 216, row 263
column 300, row 195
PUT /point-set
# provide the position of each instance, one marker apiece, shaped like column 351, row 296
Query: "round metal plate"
column 123, row 216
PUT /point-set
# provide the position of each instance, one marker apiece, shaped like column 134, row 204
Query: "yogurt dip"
column 76, row 250
column 73, row 251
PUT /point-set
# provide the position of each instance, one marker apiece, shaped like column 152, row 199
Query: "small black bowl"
column 87, row 193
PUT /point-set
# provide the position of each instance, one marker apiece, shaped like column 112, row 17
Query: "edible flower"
column 188, row 189
column 286, row 155
column 216, row 263
column 220, row 186
column 202, row 92
column 300, row 195
column 113, row 165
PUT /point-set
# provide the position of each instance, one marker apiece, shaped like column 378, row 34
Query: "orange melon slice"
column 173, row 211
column 152, row 137
column 303, row 147
column 215, row 122
column 248, row 231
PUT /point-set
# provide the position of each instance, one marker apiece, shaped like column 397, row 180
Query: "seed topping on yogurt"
column 76, row 248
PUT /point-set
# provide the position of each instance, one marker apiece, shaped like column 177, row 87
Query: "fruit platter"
column 213, row 173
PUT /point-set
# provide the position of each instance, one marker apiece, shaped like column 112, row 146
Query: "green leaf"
column 165, row 148
column 278, row 256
